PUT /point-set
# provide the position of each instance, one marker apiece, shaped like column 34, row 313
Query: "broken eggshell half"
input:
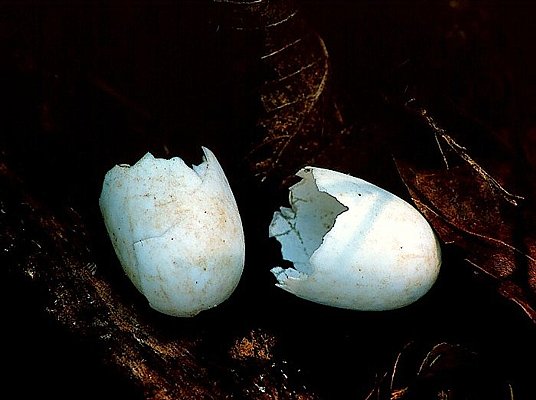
column 353, row 245
column 176, row 231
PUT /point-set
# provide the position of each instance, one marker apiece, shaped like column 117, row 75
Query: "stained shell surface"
column 176, row 231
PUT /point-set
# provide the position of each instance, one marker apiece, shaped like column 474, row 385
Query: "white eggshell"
column 176, row 231
column 353, row 245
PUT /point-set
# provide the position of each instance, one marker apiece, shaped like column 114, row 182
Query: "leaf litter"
column 472, row 211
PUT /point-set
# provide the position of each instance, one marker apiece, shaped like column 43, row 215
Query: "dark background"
column 85, row 85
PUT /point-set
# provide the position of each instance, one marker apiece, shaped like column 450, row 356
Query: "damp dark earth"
column 432, row 101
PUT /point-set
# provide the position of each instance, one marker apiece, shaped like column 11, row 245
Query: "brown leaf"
column 445, row 371
column 299, row 115
column 470, row 210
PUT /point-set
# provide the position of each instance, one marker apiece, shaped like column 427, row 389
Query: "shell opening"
column 301, row 229
column 202, row 168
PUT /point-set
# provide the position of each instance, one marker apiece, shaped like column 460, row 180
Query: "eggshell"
column 176, row 231
column 352, row 244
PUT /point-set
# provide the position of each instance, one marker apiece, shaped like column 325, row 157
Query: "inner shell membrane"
column 301, row 230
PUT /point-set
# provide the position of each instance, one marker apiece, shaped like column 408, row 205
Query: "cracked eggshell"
column 176, row 231
column 352, row 244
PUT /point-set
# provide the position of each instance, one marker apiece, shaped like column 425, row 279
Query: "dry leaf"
column 444, row 372
column 299, row 115
column 470, row 210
